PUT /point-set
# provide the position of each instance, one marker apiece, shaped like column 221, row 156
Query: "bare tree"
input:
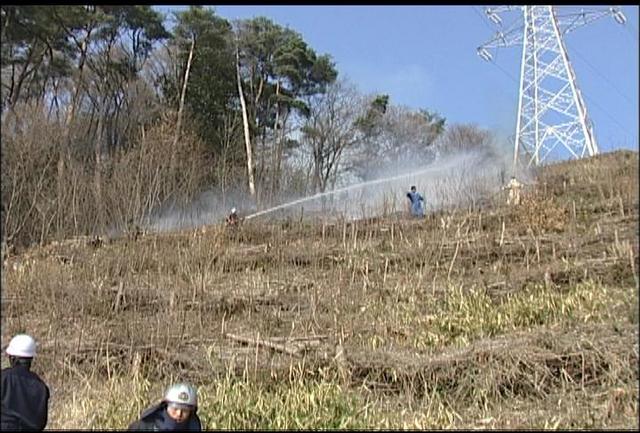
column 405, row 139
column 182, row 95
column 245, row 123
column 331, row 129
column 462, row 137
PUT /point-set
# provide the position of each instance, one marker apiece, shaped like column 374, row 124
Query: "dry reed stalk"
column 261, row 342
column 455, row 254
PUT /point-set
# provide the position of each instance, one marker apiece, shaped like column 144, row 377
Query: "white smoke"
column 469, row 178
column 464, row 179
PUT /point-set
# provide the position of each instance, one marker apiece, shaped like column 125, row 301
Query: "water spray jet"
column 438, row 168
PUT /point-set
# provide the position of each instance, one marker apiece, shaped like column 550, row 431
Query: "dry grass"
column 49, row 187
column 468, row 319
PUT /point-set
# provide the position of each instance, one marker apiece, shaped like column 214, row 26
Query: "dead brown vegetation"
column 48, row 190
column 480, row 312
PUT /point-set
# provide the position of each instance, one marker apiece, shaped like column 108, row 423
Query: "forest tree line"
column 110, row 113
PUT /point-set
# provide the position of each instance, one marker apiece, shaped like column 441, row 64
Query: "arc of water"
column 441, row 167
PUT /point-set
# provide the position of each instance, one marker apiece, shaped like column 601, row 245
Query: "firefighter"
column 25, row 396
column 176, row 411
column 416, row 202
column 514, row 191
column 233, row 219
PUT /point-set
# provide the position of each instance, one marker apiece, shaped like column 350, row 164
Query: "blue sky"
column 425, row 57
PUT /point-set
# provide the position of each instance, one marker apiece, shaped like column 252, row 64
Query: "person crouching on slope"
column 176, row 411
column 233, row 219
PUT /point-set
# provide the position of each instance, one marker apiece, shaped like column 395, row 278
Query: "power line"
column 547, row 45
column 613, row 86
column 593, row 103
column 494, row 61
column 504, row 71
column 475, row 8
column 634, row 35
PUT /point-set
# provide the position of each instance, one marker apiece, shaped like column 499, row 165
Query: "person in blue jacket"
column 25, row 396
column 176, row 412
column 416, row 202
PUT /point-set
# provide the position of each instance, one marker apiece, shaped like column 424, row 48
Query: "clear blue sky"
column 425, row 57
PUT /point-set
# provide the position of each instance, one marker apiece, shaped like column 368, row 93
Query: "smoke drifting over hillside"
column 459, row 180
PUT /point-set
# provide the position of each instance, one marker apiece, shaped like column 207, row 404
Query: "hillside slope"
column 505, row 317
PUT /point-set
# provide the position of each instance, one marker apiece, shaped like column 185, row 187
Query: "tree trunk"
column 245, row 122
column 276, row 151
column 64, row 154
column 317, row 169
column 5, row 24
column 181, row 106
column 17, row 88
column 280, row 153
column 100, row 209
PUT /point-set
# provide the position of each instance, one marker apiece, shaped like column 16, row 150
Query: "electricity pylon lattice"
column 551, row 111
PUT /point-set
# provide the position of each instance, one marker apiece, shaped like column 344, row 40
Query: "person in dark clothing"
column 233, row 219
column 176, row 412
column 25, row 397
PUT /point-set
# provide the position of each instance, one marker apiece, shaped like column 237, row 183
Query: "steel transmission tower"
column 551, row 110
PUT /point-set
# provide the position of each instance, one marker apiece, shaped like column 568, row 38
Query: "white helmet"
column 23, row 346
column 233, row 210
column 182, row 393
